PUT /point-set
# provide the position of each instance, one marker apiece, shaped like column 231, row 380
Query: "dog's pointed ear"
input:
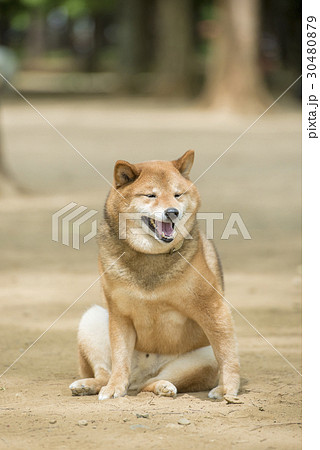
column 184, row 163
column 124, row 173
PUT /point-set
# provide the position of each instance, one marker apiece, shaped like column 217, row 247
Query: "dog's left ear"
column 184, row 163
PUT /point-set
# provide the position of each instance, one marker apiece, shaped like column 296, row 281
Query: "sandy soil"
column 259, row 177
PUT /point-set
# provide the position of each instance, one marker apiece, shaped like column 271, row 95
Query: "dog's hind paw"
column 165, row 388
column 87, row 386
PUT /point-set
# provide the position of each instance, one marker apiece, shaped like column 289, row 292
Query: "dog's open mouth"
column 164, row 231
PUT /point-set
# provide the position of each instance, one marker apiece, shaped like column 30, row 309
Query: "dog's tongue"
column 164, row 227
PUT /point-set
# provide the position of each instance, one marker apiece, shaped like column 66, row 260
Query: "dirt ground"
column 259, row 177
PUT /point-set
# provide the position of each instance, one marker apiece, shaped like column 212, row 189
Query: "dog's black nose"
column 171, row 213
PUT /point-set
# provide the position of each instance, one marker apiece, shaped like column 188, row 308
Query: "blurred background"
column 140, row 80
column 188, row 48
column 221, row 55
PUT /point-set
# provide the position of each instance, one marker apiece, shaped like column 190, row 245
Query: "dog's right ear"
column 124, row 173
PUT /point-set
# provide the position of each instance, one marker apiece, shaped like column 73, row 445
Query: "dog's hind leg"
column 94, row 352
column 191, row 372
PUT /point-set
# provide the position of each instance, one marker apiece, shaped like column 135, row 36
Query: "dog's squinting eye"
column 150, row 195
column 178, row 195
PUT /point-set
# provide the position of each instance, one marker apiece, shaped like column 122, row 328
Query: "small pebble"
column 142, row 416
column 52, row 421
column 184, row 421
column 82, row 423
column 137, row 426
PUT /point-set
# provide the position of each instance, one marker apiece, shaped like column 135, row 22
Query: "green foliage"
column 20, row 21
column 34, row 3
column 77, row 8
column 17, row 11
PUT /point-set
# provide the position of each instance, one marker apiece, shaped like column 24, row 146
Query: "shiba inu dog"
column 166, row 327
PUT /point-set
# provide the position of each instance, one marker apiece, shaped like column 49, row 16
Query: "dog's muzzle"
column 163, row 229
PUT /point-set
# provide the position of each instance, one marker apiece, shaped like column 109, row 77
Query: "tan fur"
column 85, row 368
column 157, row 303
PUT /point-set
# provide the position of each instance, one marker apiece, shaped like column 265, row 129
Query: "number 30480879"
column 311, row 47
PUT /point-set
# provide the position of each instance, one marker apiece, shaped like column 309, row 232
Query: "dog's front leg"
column 217, row 323
column 122, row 342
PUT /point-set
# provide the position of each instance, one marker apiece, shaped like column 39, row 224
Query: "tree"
column 134, row 41
column 7, row 183
column 174, row 45
column 233, row 78
column 8, row 66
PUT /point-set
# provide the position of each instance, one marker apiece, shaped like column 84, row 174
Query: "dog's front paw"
column 219, row 392
column 216, row 393
column 165, row 388
column 112, row 391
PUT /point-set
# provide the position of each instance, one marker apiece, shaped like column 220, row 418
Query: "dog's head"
column 154, row 204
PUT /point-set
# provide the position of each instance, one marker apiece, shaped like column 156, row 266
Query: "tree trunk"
column 8, row 186
column 36, row 35
column 234, row 81
column 133, row 41
column 91, row 59
column 174, row 45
